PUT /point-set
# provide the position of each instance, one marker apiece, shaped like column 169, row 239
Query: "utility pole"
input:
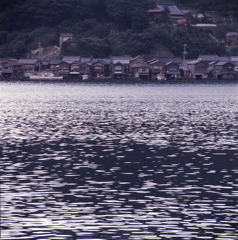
column 39, row 48
column 184, row 51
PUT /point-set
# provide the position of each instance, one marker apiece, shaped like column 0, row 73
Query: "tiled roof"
column 173, row 10
column 213, row 57
column 28, row 61
column 66, row 34
column 232, row 33
column 194, row 62
column 14, row 62
column 220, row 63
column 71, row 59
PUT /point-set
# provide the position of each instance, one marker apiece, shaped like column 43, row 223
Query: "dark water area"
column 119, row 161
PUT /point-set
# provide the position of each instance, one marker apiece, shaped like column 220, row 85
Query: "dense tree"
column 25, row 23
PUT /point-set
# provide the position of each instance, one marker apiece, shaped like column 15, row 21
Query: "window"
column 98, row 67
column 118, row 68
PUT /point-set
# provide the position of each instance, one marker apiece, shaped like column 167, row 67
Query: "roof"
column 71, row 59
column 173, row 10
column 155, row 61
column 14, row 62
column 121, row 59
column 102, row 60
column 28, row 61
column 232, row 33
column 177, row 60
column 220, row 63
column 194, row 62
column 66, row 34
column 85, row 59
column 155, row 11
column 213, row 58
column 168, row 63
column 234, row 58
column 55, row 62
column 205, row 25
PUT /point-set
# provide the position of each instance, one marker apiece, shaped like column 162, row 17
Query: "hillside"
column 111, row 27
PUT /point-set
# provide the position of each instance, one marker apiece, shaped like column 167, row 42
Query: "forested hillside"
column 105, row 27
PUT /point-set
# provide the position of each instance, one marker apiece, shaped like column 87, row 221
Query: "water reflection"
column 118, row 161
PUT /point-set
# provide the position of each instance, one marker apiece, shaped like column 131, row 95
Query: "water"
column 114, row 161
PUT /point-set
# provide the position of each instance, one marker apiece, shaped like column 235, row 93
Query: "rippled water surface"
column 114, row 161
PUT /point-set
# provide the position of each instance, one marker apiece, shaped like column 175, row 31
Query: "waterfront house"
column 172, row 70
column 64, row 69
column 11, row 68
column 139, row 68
column 28, row 65
column 198, row 69
column 85, row 69
column 225, row 70
column 100, row 68
column 156, row 68
column 54, row 65
column 231, row 38
column 120, row 66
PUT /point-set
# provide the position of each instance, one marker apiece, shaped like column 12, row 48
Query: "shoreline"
column 122, row 81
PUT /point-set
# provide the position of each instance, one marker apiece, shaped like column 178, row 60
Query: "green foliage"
column 87, row 46
column 25, row 23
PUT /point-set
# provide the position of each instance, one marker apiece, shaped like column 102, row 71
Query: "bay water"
column 119, row 161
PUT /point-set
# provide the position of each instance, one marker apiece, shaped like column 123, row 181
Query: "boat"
column 160, row 77
column 45, row 76
column 85, row 77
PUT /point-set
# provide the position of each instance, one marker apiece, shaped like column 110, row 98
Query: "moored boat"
column 45, row 76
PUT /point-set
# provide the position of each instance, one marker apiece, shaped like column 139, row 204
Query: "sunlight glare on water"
column 118, row 161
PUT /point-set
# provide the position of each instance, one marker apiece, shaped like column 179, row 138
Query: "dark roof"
column 28, row 61
column 213, row 57
column 14, row 62
column 155, row 11
column 222, row 63
column 55, row 62
column 232, row 33
column 66, row 34
column 71, row 59
column 85, row 59
column 168, row 63
column 173, row 10
column 102, row 60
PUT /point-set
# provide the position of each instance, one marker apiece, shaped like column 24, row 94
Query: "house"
column 29, row 65
column 225, row 70
column 171, row 11
column 64, row 69
column 231, row 38
column 212, row 58
column 175, row 14
column 64, row 37
column 101, row 68
column 120, row 66
column 172, row 70
column 139, row 68
column 85, row 69
column 156, row 68
column 198, row 69
column 157, row 12
column 11, row 68
column 70, row 64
